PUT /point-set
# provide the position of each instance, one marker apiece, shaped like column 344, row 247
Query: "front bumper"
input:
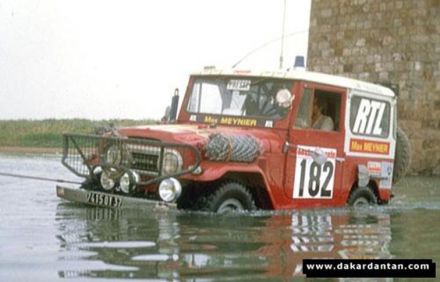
column 101, row 199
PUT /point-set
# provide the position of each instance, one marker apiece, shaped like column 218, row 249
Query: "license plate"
column 105, row 200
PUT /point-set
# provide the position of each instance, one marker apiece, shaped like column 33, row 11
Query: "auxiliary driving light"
column 97, row 171
column 107, row 183
column 284, row 98
column 128, row 181
column 170, row 189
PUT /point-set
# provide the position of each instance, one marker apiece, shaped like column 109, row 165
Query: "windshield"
column 238, row 96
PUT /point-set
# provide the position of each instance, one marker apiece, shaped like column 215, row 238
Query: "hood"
column 197, row 135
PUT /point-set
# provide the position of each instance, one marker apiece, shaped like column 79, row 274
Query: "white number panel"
column 314, row 181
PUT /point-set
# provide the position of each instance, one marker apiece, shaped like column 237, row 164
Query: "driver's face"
column 316, row 109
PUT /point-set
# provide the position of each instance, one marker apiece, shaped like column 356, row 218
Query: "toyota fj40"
column 245, row 140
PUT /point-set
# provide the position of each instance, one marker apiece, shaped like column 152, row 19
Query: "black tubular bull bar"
column 83, row 153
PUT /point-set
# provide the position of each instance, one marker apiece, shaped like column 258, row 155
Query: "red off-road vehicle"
column 245, row 140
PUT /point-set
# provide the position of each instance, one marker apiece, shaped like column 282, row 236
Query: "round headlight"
column 107, row 182
column 113, row 155
column 170, row 189
column 128, row 181
column 172, row 162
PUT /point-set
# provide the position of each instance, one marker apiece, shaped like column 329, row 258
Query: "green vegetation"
column 48, row 133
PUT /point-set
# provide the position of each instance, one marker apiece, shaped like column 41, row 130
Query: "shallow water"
column 43, row 238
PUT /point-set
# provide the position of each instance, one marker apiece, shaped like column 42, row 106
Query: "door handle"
column 288, row 146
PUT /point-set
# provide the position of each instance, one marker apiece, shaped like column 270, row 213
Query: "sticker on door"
column 314, row 180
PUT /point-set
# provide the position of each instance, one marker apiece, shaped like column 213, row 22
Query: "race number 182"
column 314, row 181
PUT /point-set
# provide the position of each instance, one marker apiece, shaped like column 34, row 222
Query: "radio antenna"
column 266, row 44
column 282, row 35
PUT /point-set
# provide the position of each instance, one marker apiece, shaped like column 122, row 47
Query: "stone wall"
column 392, row 41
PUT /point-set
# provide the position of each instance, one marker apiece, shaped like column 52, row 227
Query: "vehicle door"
column 315, row 152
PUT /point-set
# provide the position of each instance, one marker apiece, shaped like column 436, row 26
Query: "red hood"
column 272, row 140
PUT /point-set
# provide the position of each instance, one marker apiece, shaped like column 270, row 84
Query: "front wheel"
column 229, row 197
column 362, row 196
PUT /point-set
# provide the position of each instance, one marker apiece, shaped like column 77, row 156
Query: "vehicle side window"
column 319, row 110
column 370, row 117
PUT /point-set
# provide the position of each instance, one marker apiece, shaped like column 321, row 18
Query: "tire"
column 229, row 197
column 362, row 196
column 236, row 148
column 402, row 158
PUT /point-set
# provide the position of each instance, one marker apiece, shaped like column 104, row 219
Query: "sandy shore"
column 30, row 150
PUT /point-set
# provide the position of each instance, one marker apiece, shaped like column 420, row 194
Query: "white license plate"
column 105, row 200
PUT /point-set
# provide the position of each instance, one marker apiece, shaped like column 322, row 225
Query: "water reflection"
column 142, row 244
column 345, row 235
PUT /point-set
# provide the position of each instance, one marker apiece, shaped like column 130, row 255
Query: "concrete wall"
column 392, row 41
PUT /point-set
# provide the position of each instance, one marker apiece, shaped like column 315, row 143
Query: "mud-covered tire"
column 402, row 157
column 228, row 197
column 362, row 196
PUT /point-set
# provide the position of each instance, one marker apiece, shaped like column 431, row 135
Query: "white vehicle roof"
column 306, row 76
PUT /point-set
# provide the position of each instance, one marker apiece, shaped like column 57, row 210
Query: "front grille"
column 82, row 153
column 145, row 162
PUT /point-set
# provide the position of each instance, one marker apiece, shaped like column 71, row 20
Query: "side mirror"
column 166, row 116
column 174, row 105
column 171, row 111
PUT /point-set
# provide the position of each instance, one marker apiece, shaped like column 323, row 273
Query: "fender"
column 212, row 171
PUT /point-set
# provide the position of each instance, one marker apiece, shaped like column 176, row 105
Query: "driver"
column 319, row 120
